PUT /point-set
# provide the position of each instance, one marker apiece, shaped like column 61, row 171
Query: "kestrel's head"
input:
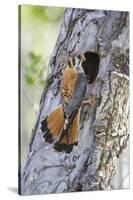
column 76, row 62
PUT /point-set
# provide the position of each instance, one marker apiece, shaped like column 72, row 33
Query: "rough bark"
column 103, row 130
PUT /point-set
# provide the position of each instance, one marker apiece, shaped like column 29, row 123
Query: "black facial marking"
column 69, row 63
column 78, row 56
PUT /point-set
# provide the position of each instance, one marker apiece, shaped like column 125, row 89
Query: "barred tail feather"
column 52, row 125
column 71, row 138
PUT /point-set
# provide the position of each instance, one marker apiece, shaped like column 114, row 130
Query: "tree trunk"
column 103, row 130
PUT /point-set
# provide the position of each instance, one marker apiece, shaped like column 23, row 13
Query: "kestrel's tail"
column 52, row 127
column 71, row 136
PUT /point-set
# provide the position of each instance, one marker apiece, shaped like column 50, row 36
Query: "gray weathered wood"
column 103, row 131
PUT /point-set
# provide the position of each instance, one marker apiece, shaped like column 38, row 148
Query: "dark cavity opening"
column 91, row 66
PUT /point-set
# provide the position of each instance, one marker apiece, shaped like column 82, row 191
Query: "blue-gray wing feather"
column 77, row 97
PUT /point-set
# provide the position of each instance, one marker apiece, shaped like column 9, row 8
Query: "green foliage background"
column 39, row 29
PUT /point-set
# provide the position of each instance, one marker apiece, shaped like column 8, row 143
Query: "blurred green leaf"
column 29, row 79
column 34, row 69
column 35, row 20
column 53, row 13
column 41, row 12
column 42, row 83
column 38, row 11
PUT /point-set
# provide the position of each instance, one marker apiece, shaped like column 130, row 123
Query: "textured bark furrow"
column 111, row 118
